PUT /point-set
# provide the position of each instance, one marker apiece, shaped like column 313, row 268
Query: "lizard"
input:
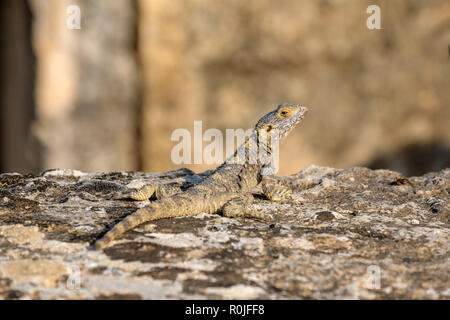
column 227, row 189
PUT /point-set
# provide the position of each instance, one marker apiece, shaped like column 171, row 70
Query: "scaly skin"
column 227, row 189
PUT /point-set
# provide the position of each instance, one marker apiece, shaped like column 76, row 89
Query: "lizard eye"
column 285, row 113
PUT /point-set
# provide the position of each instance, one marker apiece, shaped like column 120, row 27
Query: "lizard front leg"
column 239, row 206
column 274, row 190
column 160, row 191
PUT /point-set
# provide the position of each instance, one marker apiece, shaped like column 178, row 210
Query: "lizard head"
column 283, row 119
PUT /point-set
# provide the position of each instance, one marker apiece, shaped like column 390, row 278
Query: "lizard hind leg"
column 239, row 206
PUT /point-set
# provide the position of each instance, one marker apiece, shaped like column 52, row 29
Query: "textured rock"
column 343, row 228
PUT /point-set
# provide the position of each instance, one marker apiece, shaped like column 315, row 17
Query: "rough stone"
column 343, row 229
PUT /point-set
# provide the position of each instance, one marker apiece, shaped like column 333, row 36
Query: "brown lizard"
column 228, row 188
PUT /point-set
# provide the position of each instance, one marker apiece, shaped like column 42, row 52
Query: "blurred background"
column 109, row 95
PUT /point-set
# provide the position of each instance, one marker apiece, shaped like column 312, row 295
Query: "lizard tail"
column 140, row 216
column 157, row 210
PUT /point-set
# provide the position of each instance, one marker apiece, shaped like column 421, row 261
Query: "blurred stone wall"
column 374, row 94
column 19, row 151
column 109, row 96
column 87, row 84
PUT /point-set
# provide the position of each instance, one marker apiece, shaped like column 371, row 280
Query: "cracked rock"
column 355, row 234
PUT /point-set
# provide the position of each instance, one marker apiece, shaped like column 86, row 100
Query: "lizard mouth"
column 277, row 124
column 294, row 122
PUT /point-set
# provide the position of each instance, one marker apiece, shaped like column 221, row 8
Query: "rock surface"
column 353, row 233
